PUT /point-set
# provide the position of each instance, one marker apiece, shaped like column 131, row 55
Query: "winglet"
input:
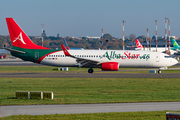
column 66, row 44
column 65, row 51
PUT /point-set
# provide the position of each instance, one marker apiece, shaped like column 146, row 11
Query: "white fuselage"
column 159, row 49
column 130, row 58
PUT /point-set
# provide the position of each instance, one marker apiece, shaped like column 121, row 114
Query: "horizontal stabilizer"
column 16, row 51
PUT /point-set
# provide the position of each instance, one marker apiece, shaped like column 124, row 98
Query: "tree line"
column 109, row 42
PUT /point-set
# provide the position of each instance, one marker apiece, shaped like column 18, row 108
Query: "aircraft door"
column 36, row 55
column 157, row 57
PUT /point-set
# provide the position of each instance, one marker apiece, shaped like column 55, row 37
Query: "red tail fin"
column 18, row 37
column 138, row 44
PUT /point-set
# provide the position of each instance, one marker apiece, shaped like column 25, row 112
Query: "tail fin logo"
column 138, row 44
column 19, row 38
column 175, row 44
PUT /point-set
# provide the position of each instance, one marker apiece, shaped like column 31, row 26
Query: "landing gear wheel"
column 90, row 70
column 159, row 71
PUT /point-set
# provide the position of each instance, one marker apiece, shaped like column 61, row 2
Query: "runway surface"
column 94, row 75
column 87, row 108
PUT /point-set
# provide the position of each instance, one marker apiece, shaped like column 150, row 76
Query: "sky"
column 80, row 18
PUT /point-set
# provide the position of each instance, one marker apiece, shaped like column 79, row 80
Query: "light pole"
column 123, row 34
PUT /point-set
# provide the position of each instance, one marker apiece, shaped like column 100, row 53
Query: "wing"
column 81, row 62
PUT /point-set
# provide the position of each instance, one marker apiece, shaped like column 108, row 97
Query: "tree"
column 132, row 37
column 107, row 36
column 96, row 44
column 142, row 38
column 58, row 35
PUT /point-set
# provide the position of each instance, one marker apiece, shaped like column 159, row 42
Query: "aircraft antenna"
column 42, row 34
column 123, row 33
column 156, row 35
column 166, row 34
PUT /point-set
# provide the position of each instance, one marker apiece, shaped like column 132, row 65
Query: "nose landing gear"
column 159, row 71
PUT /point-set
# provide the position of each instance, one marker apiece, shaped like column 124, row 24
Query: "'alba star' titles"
column 126, row 55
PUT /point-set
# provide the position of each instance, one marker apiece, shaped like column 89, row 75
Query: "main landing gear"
column 90, row 70
column 159, row 71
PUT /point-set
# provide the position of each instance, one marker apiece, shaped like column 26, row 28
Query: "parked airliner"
column 159, row 49
column 109, row 60
column 66, row 45
column 175, row 45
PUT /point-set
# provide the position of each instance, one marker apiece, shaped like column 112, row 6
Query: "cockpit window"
column 167, row 56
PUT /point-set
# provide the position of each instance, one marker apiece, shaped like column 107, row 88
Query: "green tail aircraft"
column 175, row 45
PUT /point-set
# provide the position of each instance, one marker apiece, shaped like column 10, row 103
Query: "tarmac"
column 87, row 108
column 87, row 75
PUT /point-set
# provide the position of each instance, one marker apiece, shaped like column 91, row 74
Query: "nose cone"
column 174, row 62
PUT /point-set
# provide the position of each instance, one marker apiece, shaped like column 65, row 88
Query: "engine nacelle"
column 110, row 66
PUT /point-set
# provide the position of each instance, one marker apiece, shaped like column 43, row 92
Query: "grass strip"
column 154, row 115
column 91, row 90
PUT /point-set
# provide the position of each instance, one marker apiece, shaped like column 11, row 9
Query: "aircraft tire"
column 90, row 70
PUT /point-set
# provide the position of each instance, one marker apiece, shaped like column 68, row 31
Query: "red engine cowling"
column 110, row 66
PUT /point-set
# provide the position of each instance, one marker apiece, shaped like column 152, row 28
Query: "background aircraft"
column 175, row 45
column 66, row 45
column 159, row 49
column 109, row 60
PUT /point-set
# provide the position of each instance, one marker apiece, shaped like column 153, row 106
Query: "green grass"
column 91, row 90
column 154, row 115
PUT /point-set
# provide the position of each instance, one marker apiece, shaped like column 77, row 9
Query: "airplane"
column 107, row 60
column 159, row 49
column 66, row 45
column 3, row 53
column 175, row 45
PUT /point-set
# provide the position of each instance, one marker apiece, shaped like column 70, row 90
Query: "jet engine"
column 110, row 66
